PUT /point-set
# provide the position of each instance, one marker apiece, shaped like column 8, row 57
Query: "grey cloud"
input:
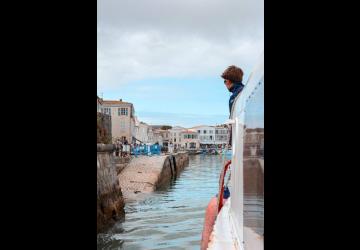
column 169, row 38
column 211, row 18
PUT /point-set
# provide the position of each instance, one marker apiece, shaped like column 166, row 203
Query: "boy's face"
column 228, row 84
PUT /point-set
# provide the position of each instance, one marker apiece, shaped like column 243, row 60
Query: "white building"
column 221, row 135
column 165, row 136
column 206, row 134
column 175, row 136
column 189, row 139
column 158, row 137
column 143, row 132
column 150, row 135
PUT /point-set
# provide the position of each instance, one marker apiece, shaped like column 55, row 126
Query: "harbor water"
column 171, row 218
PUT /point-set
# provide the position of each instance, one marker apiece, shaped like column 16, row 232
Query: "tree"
column 166, row 127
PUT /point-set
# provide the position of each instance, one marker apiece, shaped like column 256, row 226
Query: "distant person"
column 117, row 149
column 125, row 147
column 171, row 148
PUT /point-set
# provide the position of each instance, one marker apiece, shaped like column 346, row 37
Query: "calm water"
column 171, row 218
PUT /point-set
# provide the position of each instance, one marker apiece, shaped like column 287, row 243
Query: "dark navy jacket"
column 236, row 90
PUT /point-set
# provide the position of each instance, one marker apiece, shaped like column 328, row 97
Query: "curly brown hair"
column 233, row 73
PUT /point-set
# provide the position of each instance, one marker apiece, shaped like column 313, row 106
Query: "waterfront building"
column 189, row 139
column 206, row 135
column 141, row 133
column 158, row 137
column 175, row 136
column 165, row 136
column 221, row 135
column 151, row 138
column 122, row 119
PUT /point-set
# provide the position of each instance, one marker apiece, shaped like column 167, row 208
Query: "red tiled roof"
column 110, row 102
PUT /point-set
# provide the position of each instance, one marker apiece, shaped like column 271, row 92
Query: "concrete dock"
column 145, row 174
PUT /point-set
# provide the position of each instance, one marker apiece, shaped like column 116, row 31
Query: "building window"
column 199, row 131
column 210, row 132
column 184, row 136
column 204, row 131
column 107, row 111
column 192, row 136
column 123, row 111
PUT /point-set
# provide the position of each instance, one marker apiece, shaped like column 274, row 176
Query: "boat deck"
column 223, row 237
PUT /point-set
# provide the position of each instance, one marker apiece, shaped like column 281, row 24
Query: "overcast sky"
column 166, row 56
